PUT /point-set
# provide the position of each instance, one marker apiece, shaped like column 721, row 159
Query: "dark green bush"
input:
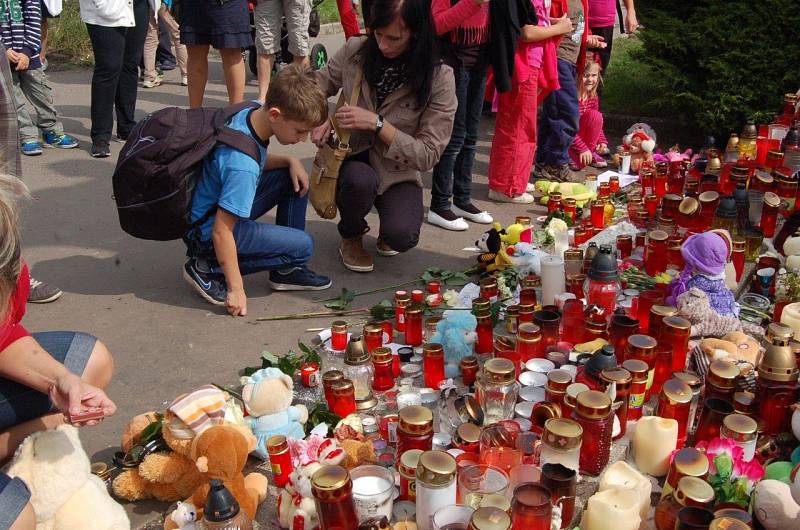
column 718, row 63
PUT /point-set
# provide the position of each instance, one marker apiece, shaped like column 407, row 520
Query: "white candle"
column 621, row 475
column 553, row 278
column 612, row 509
column 791, row 317
column 653, row 441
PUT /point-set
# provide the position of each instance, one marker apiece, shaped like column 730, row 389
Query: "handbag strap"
column 344, row 135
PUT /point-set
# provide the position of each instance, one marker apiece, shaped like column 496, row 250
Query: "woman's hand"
column 320, row 134
column 71, row 395
column 595, row 42
column 586, row 158
column 299, row 176
column 631, row 22
column 356, row 118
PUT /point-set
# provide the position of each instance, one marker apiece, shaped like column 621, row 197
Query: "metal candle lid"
column 382, row 355
column 558, row 380
column 779, row 333
column 562, row 433
column 739, row 427
column 415, row 419
column 618, row 375
column 489, row 519
column 676, row 392
column 688, row 462
column 694, row 381
column 676, row 322
column 436, row 469
column 529, row 332
column 328, row 482
column 339, row 326
column 409, row 461
column 778, row 364
column 728, row 523
column 481, row 304
column 643, row 345
column 593, row 404
column 693, row 491
column 637, row 368
column 722, row 374
column 468, row 410
column 356, row 353
column 663, row 310
column 499, row 370
column 689, row 206
column 467, row 433
column 432, row 349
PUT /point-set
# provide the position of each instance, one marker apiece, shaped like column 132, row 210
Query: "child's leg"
column 37, row 90
column 275, row 189
column 150, row 47
column 462, row 173
column 559, row 122
column 10, row 162
column 297, row 13
column 28, row 132
column 591, row 125
column 197, row 70
column 175, row 37
column 265, row 246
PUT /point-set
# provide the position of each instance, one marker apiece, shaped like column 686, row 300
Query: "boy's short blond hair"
column 297, row 94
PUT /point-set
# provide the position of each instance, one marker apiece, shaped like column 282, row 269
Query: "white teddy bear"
column 184, row 516
column 64, row 493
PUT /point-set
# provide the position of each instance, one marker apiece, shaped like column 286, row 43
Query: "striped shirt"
column 21, row 28
column 592, row 103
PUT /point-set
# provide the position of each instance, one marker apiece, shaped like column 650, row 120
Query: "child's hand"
column 299, row 177
column 595, row 41
column 562, row 24
column 22, row 62
column 236, row 302
column 320, row 134
column 12, row 56
column 586, row 158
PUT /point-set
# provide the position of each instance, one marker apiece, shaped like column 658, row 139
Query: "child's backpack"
column 161, row 162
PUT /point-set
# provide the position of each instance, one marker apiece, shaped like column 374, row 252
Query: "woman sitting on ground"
column 44, row 377
column 400, row 127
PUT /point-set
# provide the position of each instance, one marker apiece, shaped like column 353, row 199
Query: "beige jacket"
column 422, row 134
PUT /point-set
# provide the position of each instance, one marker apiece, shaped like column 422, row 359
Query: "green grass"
column 628, row 84
column 67, row 38
column 328, row 12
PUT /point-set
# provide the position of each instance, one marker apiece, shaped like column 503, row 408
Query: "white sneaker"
column 151, row 83
column 456, row 224
column 483, row 218
column 530, row 188
column 185, row 80
column 525, row 198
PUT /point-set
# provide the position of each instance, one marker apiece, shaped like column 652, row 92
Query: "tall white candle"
column 612, row 509
column 653, row 441
column 553, row 278
column 621, row 475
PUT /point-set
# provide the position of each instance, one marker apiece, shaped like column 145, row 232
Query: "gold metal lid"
column 525, row 309
column 330, row 478
column 558, row 380
column 722, row 374
column 277, row 444
column 529, row 332
column 402, row 296
column 356, row 352
column 739, row 427
column 432, row 349
column 469, row 361
column 778, row 364
column 739, row 244
column 708, row 196
column 469, row 410
column 409, row 461
column 338, row 326
column 382, row 355
column 342, row 386
column 432, row 322
column 694, row 381
column 499, row 370
column 523, row 220
column 489, row 519
column 663, row 310
column 488, row 282
column 573, row 253
column 676, row 322
column 481, row 304
column 468, row 433
column 779, row 332
column 571, row 397
column 543, row 411
column 772, row 199
column 688, row 462
column 657, row 235
column 618, row 375
column 562, row 433
column 728, row 523
column 637, row 368
column 689, row 206
column 332, row 375
column 556, row 196
column 693, row 491
column 372, row 328
column 415, row 309
column 436, row 468
column 512, row 311
column 415, row 419
column 744, row 402
column 593, row 404
column 643, row 345
column 675, row 392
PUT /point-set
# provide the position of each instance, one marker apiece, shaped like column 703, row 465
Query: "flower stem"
column 315, row 314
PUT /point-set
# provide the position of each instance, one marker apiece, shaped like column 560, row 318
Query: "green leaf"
column 269, row 357
column 458, row 279
column 382, row 311
column 250, row 370
column 724, row 465
column 152, row 431
column 341, row 303
column 321, row 414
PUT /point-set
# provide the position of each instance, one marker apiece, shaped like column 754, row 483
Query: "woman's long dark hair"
column 422, row 55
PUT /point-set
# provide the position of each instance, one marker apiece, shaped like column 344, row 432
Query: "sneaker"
column 525, row 198
column 121, row 138
column 42, row 293
column 385, row 250
column 32, row 148
column 184, row 80
column 213, row 290
column 152, row 83
column 473, row 213
column 100, row 150
column 298, row 279
column 446, row 219
column 62, row 141
column 564, row 174
column 530, row 188
column 354, row 257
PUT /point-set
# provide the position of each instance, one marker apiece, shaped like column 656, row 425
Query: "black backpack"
column 161, row 162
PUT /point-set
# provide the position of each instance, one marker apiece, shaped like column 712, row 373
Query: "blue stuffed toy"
column 267, row 396
column 456, row 333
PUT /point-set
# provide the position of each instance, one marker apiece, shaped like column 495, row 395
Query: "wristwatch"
column 379, row 124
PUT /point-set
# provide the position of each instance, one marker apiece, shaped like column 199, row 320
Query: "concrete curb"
column 330, row 28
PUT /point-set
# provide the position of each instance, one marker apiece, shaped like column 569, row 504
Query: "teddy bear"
column 184, row 516
column 267, row 397
column 56, row 469
column 491, row 245
column 694, row 306
column 220, row 452
column 456, row 333
column 641, row 142
column 774, row 505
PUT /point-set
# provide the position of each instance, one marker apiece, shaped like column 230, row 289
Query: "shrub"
column 67, row 37
column 721, row 62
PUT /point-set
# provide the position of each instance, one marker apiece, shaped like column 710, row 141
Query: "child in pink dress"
column 590, row 143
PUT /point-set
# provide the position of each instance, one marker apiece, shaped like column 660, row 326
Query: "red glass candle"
column 373, row 336
column 280, row 460
column 738, row 256
column 469, row 370
column 570, row 208
column 625, row 245
column 651, row 205
column 433, row 365
column 643, row 348
column 710, row 422
column 333, row 496
column 526, row 312
column 485, row 342
column 556, row 389
column 674, row 256
column 548, row 322
column 581, row 236
column 343, row 395
column 529, row 342
column 572, row 318
column 506, row 348
column 413, row 325
column 776, row 388
column 721, row 380
column 593, row 413
column 554, row 202
column 408, row 475
column 531, row 507
column 387, row 427
column 663, row 369
column 655, row 259
column 401, row 300
column 383, row 378
column 602, row 294
column 709, row 200
column 417, row 295
column 769, row 214
column 660, row 185
column 646, row 301
column 414, row 431
column 619, row 329
column 339, row 335
column 328, row 379
column 675, row 402
column 622, row 379
column 434, row 287
column 688, row 217
column 639, row 371
column 613, row 184
column 676, row 331
column 598, row 213
column 309, row 375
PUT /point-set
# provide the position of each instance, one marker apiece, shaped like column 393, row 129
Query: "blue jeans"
column 264, row 246
column 452, row 176
column 14, row 495
column 559, row 119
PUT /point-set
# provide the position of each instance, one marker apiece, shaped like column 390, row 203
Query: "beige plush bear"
column 693, row 305
column 64, row 493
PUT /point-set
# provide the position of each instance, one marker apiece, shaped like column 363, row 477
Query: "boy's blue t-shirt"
column 229, row 178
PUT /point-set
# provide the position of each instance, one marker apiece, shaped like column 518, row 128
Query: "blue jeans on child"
column 265, row 246
column 559, row 119
column 452, row 176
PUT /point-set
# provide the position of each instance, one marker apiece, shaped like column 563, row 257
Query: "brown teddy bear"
column 693, row 305
column 220, row 452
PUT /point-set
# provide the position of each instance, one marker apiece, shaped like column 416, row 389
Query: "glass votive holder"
column 373, row 491
column 453, row 516
column 498, row 446
column 693, row 518
column 754, row 238
column 522, row 474
column 474, row 482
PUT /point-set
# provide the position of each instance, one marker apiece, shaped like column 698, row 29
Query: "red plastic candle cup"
column 433, row 365
column 373, row 336
column 598, row 213
column 417, row 295
column 548, row 322
column 651, row 205
column 309, row 375
column 413, row 325
column 339, row 335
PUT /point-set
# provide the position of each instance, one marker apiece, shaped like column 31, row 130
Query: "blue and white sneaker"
column 298, row 279
column 32, row 148
column 207, row 285
column 62, row 141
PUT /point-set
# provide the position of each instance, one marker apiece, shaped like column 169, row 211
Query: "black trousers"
column 117, row 52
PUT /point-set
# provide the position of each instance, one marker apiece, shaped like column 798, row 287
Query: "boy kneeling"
column 231, row 243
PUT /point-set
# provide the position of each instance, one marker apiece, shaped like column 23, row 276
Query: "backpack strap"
column 233, row 138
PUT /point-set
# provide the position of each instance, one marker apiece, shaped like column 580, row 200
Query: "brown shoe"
column 354, row 257
column 384, row 249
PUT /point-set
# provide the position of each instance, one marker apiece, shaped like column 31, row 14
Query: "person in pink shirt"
column 602, row 16
column 514, row 143
column 590, row 144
